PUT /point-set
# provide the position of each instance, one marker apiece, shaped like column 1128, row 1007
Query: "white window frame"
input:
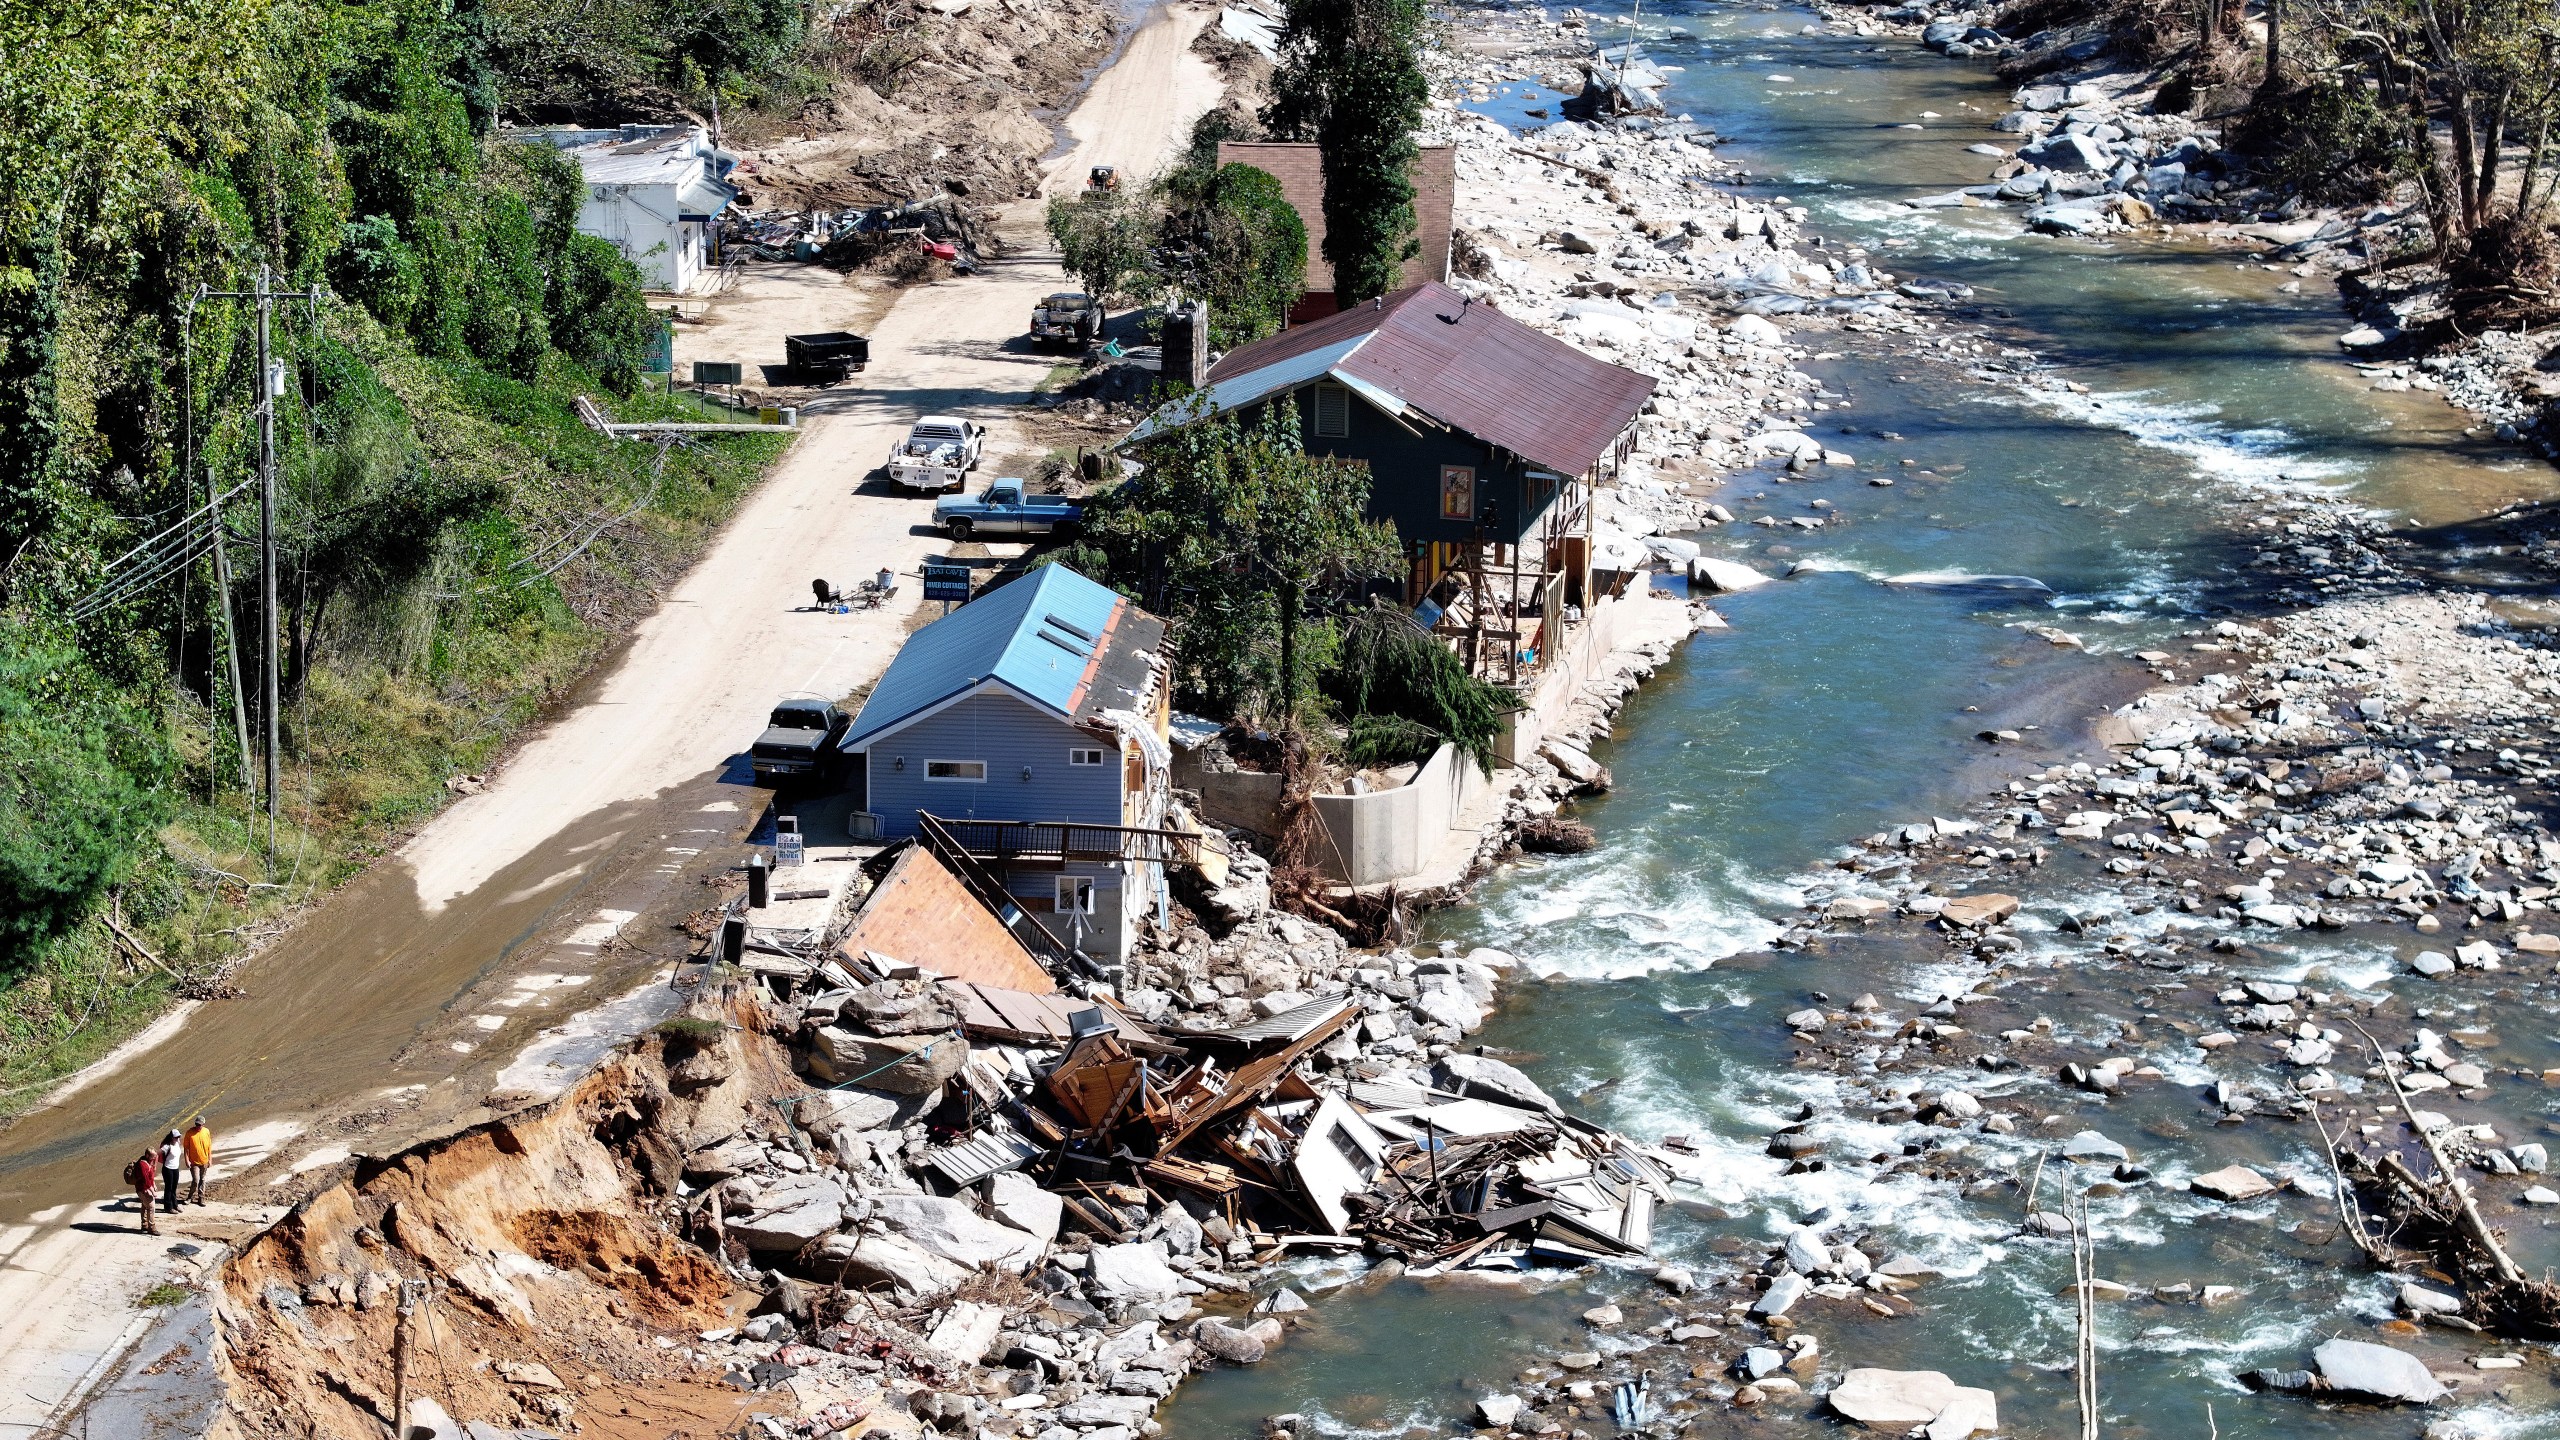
column 1083, row 755
column 978, row 779
column 1065, row 889
column 1339, row 397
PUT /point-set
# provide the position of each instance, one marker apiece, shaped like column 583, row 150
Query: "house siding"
column 1010, row 736
column 1404, row 475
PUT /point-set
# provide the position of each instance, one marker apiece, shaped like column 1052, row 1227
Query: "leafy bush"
column 1230, row 236
column 375, row 268
column 2329, row 142
column 598, row 317
column 84, row 775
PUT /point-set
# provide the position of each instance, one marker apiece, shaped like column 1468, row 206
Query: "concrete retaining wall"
column 1394, row 834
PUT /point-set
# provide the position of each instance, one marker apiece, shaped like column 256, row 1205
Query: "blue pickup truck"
column 1004, row 508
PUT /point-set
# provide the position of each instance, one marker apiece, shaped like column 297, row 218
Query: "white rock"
column 1721, row 576
column 1754, row 330
column 1132, row 1272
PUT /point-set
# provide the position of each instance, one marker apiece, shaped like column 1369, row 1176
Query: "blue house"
column 1028, row 728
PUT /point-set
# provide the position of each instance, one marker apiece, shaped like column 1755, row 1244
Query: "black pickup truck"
column 798, row 744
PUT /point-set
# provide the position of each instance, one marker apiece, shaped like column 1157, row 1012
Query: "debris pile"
column 1289, row 1119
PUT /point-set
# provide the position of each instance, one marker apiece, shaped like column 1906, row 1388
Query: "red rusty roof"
column 1465, row 365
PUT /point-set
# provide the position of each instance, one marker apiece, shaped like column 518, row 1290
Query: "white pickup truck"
column 937, row 454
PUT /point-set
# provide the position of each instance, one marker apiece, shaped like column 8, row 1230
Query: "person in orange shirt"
column 198, row 1143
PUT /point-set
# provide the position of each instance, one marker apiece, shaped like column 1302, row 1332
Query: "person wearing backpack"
column 143, row 1175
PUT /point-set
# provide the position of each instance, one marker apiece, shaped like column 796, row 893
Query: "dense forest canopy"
column 430, row 462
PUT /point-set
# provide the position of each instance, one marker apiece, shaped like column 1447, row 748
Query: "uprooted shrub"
column 2507, row 271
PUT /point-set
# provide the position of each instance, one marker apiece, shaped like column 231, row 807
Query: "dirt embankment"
column 928, row 104
column 560, row 1291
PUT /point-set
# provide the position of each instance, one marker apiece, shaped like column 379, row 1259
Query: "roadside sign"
column 662, row 348
column 788, row 847
column 947, row 581
column 719, row 372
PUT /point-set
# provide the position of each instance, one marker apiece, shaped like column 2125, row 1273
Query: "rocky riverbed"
column 2110, row 146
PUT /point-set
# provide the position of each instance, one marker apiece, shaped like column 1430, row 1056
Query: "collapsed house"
column 938, row 1000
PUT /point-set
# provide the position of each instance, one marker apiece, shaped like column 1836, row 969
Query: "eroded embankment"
column 563, row 1289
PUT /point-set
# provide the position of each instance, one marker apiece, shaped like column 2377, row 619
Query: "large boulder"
column 1131, row 1272
column 1901, row 1399
column 789, row 1213
column 951, row 1230
column 2375, row 1372
column 1018, row 1201
column 893, row 1007
column 2232, row 1183
column 1972, row 912
column 1230, row 1343
column 1477, row 981
column 1892, row 1399
column 1485, row 1078
column 2067, row 151
column 899, row 1064
column 853, row 1108
column 1723, row 576
column 873, row 1258
column 1443, row 1000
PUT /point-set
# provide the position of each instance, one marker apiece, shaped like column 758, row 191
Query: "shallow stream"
column 1836, row 705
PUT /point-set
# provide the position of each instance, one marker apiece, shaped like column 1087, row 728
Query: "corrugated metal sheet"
column 1043, row 636
column 1465, row 365
column 1289, row 1025
column 1499, row 380
column 994, row 1149
column 1245, row 387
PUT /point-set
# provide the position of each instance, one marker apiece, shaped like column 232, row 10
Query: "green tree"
column 84, row 776
column 1238, row 537
column 1102, row 238
column 30, row 400
column 1351, row 80
column 1230, row 237
column 1405, row 692
column 598, row 316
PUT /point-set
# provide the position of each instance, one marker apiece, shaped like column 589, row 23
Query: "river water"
column 1836, row 705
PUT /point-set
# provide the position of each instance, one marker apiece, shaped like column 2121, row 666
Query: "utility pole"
column 221, row 554
column 270, row 383
column 270, row 387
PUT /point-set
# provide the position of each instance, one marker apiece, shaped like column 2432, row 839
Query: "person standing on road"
column 199, row 1147
column 173, row 1159
column 145, row 1173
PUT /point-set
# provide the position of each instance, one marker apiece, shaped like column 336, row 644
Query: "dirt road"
column 394, row 1004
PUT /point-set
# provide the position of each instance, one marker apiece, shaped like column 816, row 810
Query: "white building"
column 653, row 191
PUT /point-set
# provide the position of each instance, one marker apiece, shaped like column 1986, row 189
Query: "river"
column 1836, row 705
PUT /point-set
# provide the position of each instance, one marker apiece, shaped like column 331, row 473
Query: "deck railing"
column 1003, row 843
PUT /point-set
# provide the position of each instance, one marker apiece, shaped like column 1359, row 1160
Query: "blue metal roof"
column 1039, row 635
